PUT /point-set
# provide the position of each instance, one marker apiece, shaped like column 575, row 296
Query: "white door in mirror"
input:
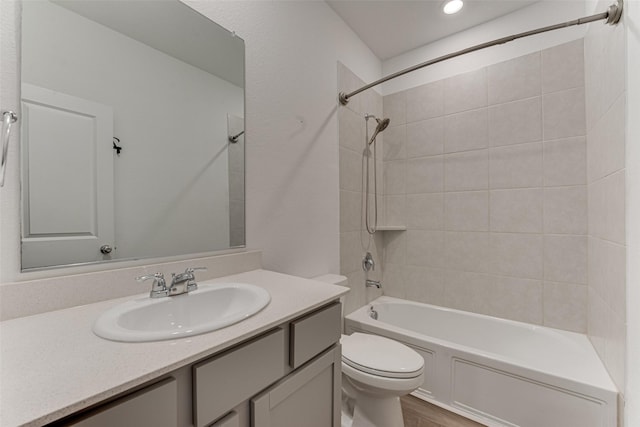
column 212, row 306
column 67, row 178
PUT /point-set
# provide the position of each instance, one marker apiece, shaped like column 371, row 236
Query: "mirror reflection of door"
column 67, row 178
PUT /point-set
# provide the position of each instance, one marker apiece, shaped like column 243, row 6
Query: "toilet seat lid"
column 380, row 356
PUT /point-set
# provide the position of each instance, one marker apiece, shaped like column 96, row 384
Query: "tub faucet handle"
column 368, row 263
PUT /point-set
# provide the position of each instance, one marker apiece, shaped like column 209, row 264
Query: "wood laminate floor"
column 418, row 413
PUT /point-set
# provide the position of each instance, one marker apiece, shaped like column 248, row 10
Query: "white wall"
column 292, row 49
column 292, row 130
column 632, row 23
column 537, row 15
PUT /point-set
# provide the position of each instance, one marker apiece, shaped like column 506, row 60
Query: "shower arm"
column 612, row 16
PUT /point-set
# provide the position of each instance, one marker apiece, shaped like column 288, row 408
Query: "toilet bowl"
column 376, row 371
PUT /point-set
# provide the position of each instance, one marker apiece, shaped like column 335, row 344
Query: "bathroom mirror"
column 132, row 132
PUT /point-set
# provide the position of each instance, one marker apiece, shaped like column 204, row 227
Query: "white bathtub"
column 495, row 371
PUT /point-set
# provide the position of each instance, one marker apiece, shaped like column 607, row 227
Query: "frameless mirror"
column 132, row 132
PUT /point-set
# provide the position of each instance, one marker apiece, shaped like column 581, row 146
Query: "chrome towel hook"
column 8, row 118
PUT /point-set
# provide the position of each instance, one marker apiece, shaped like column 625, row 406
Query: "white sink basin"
column 211, row 307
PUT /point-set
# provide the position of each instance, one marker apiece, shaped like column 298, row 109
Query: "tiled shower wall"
column 487, row 170
column 354, row 239
column 605, row 111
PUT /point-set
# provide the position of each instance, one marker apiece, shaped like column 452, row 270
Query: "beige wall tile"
column 371, row 102
column 350, row 129
column 425, row 248
column 565, row 161
column 515, row 122
column 425, row 138
column 605, row 71
column 425, row 175
column 425, row 211
column 394, row 146
column 465, row 91
column 598, row 322
column 565, row 259
column 467, row 251
column 350, row 170
column 393, row 280
column 350, row 210
column 607, row 208
column 395, row 108
column 425, row 102
column 516, row 211
column 395, row 208
column 517, row 255
column 466, row 131
column 394, row 177
column 563, row 114
column 565, row 210
column 467, row 291
column 565, row 306
column 395, row 248
column 563, row 66
column 615, row 358
column 516, row 166
column 351, row 252
column 606, row 142
column 517, row 78
column 607, row 273
column 467, row 211
column 466, row 171
column 357, row 296
column 516, row 299
column 424, row 284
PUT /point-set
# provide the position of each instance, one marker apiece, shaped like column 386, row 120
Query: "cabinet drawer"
column 224, row 381
column 153, row 406
column 313, row 333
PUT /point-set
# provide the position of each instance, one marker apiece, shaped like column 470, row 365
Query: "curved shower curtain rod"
column 612, row 16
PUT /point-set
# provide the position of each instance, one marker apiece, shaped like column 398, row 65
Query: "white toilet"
column 376, row 371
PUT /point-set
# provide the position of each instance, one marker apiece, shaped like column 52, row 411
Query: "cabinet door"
column 153, row 406
column 309, row 397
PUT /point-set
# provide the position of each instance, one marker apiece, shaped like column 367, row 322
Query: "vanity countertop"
column 52, row 364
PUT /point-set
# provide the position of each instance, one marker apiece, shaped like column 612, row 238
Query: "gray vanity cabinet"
column 309, row 397
column 289, row 376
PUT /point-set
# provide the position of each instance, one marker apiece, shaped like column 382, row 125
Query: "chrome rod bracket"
column 344, row 99
column 8, row 118
column 614, row 13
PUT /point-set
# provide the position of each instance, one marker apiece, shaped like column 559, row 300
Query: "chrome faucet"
column 184, row 282
column 159, row 287
column 373, row 284
column 180, row 283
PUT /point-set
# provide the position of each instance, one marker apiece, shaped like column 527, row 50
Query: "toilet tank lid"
column 380, row 354
column 334, row 279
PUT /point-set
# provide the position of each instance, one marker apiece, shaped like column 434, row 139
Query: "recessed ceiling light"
column 452, row 6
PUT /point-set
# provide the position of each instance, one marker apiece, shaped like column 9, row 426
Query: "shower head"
column 382, row 125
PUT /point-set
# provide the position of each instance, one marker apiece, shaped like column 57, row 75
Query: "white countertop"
column 52, row 364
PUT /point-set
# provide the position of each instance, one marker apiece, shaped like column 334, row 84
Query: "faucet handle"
column 191, row 283
column 159, row 287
